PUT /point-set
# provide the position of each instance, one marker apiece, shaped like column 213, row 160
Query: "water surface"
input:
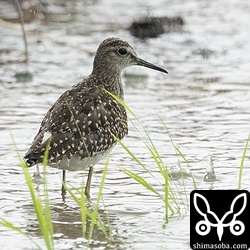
column 204, row 101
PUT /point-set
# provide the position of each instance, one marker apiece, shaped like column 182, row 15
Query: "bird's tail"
column 31, row 158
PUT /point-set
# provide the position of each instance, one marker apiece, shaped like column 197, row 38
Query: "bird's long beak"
column 141, row 62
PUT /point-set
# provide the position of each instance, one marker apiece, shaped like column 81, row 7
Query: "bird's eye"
column 122, row 51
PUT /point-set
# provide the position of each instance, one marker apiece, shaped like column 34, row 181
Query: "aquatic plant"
column 41, row 205
column 242, row 162
column 170, row 194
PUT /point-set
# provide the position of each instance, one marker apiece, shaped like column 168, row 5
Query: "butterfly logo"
column 203, row 227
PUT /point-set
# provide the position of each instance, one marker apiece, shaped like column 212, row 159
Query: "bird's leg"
column 37, row 178
column 87, row 188
column 37, row 172
column 64, row 184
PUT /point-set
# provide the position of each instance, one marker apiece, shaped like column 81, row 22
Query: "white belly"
column 75, row 163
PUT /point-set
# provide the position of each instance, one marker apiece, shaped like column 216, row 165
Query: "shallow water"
column 204, row 101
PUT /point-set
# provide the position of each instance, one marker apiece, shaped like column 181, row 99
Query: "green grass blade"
column 37, row 204
column 186, row 161
column 9, row 225
column 79, row 202
column 142, row 181
column 95, row 212
column 84, row 210
column 121, row 102
column 158, row 160
column 164, row 172
column 46, row 210
column 133, row 156
column 129, row 152
column 242, row 163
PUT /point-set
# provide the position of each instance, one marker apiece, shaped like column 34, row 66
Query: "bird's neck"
column 110, row 80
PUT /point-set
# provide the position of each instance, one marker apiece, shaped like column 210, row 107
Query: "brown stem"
column 17, row 5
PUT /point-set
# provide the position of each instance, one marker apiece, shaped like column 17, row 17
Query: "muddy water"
column 204, row 102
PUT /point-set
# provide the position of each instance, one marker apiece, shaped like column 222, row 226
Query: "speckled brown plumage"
column 82, row 125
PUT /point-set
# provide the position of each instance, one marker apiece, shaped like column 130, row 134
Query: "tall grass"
column 170, row 193
column 41, row 204
column 12, row 227
column 93, row 215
